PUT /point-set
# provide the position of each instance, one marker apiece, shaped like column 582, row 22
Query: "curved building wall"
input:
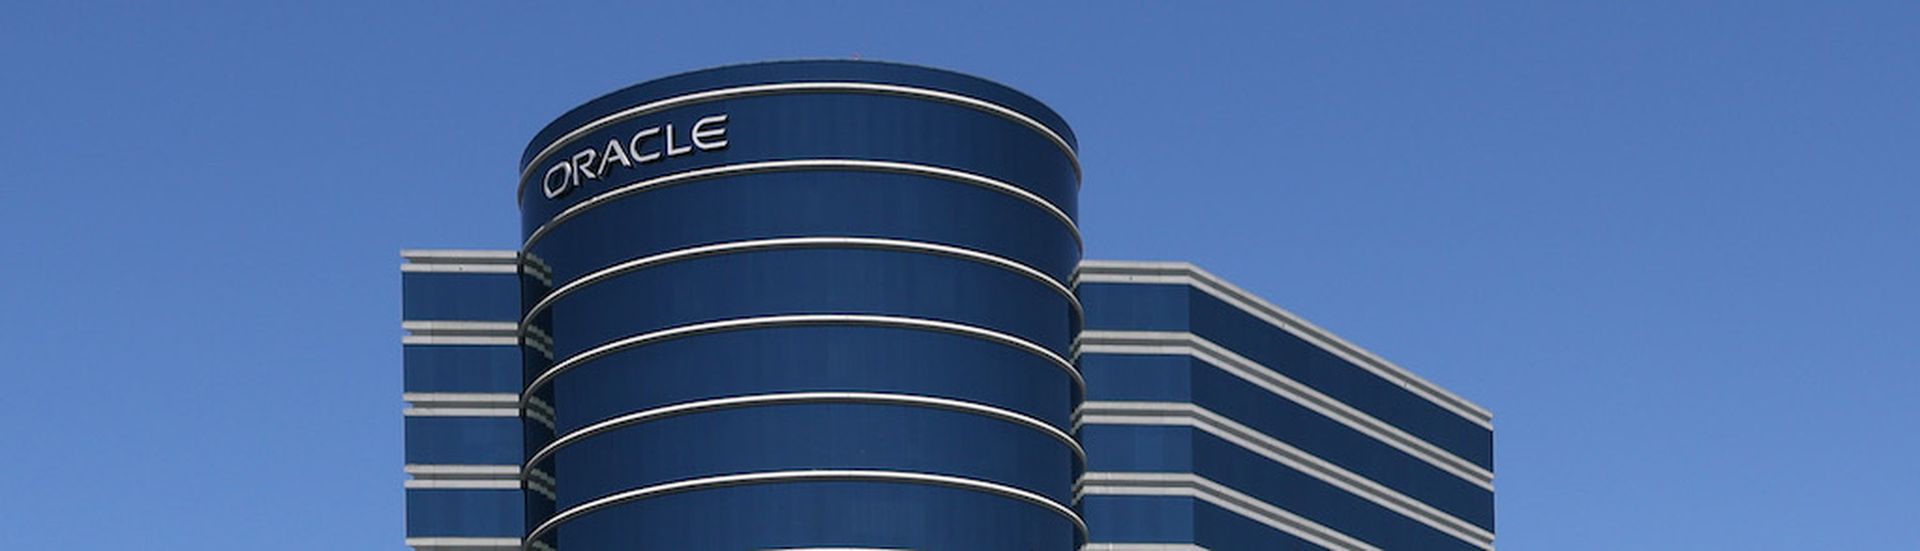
column 802, row 304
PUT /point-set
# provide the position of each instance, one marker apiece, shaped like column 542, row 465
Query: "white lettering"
column 707, row 134
column 675, row 151
column 580, row 161
column 614, row 151
column 708, row 137
column 634, row 145
column 566, row 181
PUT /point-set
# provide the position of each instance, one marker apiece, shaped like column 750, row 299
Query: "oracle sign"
column 648, row 145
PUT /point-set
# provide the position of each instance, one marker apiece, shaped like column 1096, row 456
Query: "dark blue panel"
column 1139, row 378
column 463, row 440
column 814, row 281
column 823, row 514
column 1146, row 378
column 462, row 368
column 799, row 359
column 793, row 204
column 1134, row 307
column 1120, row 449
column 1138, row 519
column 1137, row 448
column 464, row 513
column 459, row 296
column 816, row 436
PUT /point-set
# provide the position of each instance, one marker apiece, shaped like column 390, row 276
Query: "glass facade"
column 841, row 305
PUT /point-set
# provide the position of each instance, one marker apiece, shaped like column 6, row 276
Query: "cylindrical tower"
column 815, row 304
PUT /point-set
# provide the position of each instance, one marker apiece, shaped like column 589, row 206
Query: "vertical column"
column 806, row 304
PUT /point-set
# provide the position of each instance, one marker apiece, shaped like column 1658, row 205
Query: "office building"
column 841, row 305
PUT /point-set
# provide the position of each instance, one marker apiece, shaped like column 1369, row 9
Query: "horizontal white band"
column 805, row 320
column 461, row 256
column 1180, row 273
column 475, row 333
column 788, row 243
column 469, row 261
column 1195, row 486
column 1141, row 547
column 1189, row 344
column 461, row 399
column 461, row 412
column 557, row 144
column 464, row 544
column 474, row 477
column 795, row 398
column 459, row 340
column 456, row 328
column 727, row 481
column 462, row 404
column 424, row 471
column 797, row 165
column 460, row 268
column 462, row 484
column 1190, row 415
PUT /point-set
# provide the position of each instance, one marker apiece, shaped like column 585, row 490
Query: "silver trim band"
column 1218, row 495
column 441, row 471
column 797, row 165
column 475, row 404
column 1141, row 547
column 726, row 481
column 1181, row 273
column 463, row 544
column 803, row 320
column 476, row 333
column 790, row 398
column 469, row 261
column 1195, row 346
column 459, row 256
column 474, row 477
column 616, row 117
column 782, row 243
column 1196, row 417
column 460, row 268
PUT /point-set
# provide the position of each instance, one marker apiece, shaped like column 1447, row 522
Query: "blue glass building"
column 841, row 305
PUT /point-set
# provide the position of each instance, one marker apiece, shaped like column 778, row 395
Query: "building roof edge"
column 1319, row 336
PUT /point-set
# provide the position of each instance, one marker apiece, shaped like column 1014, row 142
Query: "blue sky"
column 1670, row 244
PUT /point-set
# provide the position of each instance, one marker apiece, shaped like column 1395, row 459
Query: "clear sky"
column 1672, row 245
